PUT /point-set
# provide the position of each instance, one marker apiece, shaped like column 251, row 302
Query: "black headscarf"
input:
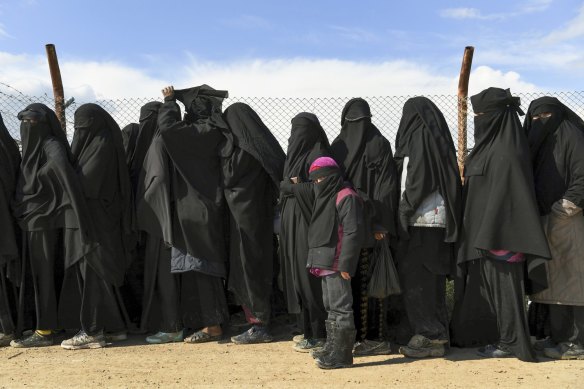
column 560, row 134
column 307, row 142
column 48, row 194
column 500, row 211
column 251, row 135
column 9, row 164
column 322, row 223
column 98, row 149
column 129, row 136
column 148, row 126
column 424, row 137
column 366, row 158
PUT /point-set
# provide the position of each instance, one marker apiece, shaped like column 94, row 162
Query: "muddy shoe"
column 328, row 344
column 421, row 347
column 306, row 345
column 371, row 347
column 565, row 351
column 84, row 341
column 33, row 340
column 5, row 339
column 256, row 334
column 298, row 338
column 341, row 354
column 494, row 351
column 165, row 337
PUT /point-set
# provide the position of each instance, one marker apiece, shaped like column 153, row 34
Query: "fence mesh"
column 276, row 112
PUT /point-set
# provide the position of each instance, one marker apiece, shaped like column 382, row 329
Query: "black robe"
column 129, row 136
column 10, row 236
column 101, row 166
column 500, row 213
column 367, row 161
column 251, row 176
column 307, row 142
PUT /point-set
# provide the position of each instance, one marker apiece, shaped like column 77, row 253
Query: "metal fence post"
column 463, row 105
column 57, row 85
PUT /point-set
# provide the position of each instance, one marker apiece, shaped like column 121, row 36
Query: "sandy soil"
column 133, row 364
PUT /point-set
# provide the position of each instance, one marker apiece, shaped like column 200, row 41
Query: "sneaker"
column 165, row 337
column 5, row 339
column 494, row 351
column 256, row 334
column 565, row 351
column 34, row 340
column 82, row 341
column 421, row 347
column 541, row 345
column 371, row 347
column 116, row 336
column 307, row 345
column 298, row 338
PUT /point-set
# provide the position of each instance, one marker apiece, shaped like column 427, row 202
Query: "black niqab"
column 129, row 136
column 555, row 144
column 424, row 137
column 98, row 148
column 9, row 164
column 323, row 221
column 366, row 159
column 500, row 211
column 251, row 135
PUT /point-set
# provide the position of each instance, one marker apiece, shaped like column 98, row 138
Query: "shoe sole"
column 85, row 346
column 372, row 353
column 165, row 342
column 568, row 358
column 261, row 341
column 484, row 355
column 305, row 350
column 331, row 367
column 35, row 346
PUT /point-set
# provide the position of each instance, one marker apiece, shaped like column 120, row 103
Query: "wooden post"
column 463, row 105
column 58, row 93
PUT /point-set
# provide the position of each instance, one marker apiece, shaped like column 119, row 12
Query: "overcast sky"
column 129, row 48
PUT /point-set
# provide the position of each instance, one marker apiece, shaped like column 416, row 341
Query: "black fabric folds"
column 48, row 193
column 251, row 135
column 366, row 158
column 180, row 198
column 101, row 165
column 500, row 211
column 555, row 143
column 424, row 137
column 324, row 213
column 129, row 136
column 9, row 164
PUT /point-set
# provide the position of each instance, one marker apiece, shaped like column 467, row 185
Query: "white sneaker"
column 83, row 341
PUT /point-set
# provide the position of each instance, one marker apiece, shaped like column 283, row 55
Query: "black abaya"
column 251, row 175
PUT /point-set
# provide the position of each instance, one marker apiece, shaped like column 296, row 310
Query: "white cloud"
column 461, row 13
column 355, row 34
column 526, row 7
column 484, row 76
column 572, row 30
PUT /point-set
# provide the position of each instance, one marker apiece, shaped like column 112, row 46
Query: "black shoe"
column 371, row 347
column 34, row 340
column 342, row 352
column 256, row 334
column 494, row 351
column 565, row 351
column 328, row 344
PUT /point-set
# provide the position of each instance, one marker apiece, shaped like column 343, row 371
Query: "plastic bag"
column 383, row 279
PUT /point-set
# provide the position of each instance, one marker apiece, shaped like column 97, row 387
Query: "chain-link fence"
column 277, row 112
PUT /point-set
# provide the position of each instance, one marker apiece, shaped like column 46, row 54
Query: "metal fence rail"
column 277, row 112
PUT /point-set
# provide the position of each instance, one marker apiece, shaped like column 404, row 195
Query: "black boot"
column 328, row 346
column 342, row 352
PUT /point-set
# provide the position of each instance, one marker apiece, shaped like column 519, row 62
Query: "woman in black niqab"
column 101, row 167
column 307, row 142
column 251, row 177
column 49, row 202
column 429, row 221
column 10, row 236
column 501, row 225
column 366, row 158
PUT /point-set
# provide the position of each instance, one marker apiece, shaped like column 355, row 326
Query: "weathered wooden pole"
column 463, row 105
column 57, row 85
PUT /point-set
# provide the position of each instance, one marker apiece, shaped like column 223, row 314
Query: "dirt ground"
column 133, row 364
